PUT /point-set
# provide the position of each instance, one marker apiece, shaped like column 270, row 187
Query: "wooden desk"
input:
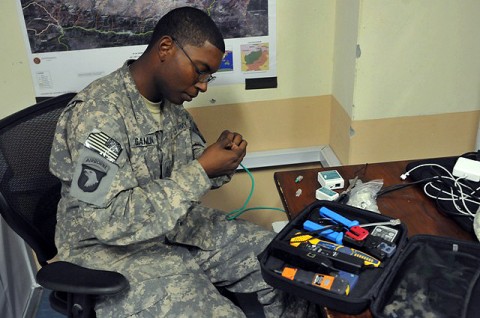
column 409, row 204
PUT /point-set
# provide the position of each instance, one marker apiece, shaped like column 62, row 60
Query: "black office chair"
column 28, row 202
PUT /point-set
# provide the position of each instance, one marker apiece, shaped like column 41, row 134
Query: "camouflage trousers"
column 179, row 277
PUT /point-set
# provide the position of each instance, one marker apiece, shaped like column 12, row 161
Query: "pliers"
column 344, row 196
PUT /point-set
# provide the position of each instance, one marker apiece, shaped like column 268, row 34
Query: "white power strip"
column 467, row 168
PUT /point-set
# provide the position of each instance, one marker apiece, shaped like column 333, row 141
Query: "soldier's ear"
column 165, row 47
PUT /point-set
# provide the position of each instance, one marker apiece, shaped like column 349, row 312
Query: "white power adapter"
column 467, row 168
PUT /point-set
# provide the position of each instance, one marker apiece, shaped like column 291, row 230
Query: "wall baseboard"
column 262, row 159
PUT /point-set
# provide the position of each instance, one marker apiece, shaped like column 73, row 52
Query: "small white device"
column 324, row 193
column 467, row 168
column 331, row 179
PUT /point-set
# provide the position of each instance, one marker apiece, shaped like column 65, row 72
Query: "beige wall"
column 414, row 137
column 340, row 124
column 270, row 125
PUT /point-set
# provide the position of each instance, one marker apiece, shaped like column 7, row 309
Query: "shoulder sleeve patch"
column 92, row 178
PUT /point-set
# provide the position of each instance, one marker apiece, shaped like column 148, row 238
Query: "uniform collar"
column 146, row 122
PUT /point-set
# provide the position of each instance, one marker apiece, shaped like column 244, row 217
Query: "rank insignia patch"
column 105, row 146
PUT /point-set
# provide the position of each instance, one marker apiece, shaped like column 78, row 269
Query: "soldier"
column 134, row 167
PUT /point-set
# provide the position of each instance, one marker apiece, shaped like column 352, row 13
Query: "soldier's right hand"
column 224, row 156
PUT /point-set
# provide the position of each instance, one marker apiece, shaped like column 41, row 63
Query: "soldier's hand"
column 224, row 156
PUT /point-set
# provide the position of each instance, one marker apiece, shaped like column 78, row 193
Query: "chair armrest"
column 71, row 278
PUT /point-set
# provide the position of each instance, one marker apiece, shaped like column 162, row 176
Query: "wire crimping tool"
column 354, row 231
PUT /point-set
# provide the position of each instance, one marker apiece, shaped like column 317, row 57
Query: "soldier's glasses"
column 203, row 77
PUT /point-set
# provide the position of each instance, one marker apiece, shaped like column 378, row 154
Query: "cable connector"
column 404, row 176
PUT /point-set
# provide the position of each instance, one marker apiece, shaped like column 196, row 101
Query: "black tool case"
column 425, row 276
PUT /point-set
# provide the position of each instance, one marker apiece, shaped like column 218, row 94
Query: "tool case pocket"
column 334, row 272
column 434, row 277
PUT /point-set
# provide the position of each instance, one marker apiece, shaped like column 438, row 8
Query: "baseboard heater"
column 282, row 157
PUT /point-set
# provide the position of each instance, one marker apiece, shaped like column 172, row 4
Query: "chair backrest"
column 29, row 193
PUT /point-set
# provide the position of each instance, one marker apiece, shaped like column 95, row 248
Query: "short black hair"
column 188, row 26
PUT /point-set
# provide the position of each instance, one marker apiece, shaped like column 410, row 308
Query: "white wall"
column 418, row 57
column 16, row 87
column 344, row 56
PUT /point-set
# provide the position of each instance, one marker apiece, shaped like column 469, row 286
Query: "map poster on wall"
column 70, row 43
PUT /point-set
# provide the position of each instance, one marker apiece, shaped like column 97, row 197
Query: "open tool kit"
column 349, row 259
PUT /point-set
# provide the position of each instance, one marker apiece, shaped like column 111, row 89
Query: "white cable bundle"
column 459, row 194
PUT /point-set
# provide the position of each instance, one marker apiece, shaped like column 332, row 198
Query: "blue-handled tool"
column 324, row 231
column 354, row 230
column 327, row 213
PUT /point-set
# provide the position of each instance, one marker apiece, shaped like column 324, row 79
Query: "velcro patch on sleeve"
column 92, row 178
column 105, row 146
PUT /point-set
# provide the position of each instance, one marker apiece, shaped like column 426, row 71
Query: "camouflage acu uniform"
column 130, row 203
